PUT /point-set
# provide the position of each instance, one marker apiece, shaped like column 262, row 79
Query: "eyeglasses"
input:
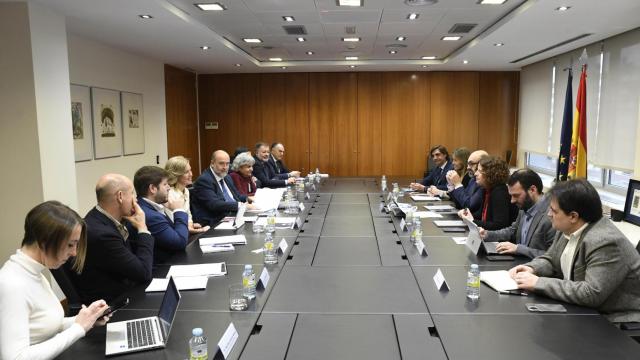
column 472, row 163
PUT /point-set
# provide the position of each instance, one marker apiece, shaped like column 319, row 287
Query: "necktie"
column 277, row 167
column 227, row 196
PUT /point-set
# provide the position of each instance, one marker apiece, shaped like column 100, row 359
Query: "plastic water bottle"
column 383, row 183
column 300, row 188
column 198, row 345
column 249, row 282
column 317, row 177
column 416, row 233
column 269, row 251
column 271, row 222
column 473, row 282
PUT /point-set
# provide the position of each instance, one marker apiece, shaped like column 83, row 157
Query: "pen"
column 513, row 292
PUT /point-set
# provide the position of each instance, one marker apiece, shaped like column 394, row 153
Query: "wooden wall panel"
column 369, row 124
column 498, row 113
column 454, row 109
column 182, row 120
column 405, row 122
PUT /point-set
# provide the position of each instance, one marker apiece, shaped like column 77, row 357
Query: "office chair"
column 74, row 304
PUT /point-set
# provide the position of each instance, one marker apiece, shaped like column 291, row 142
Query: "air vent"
column 261, row 47
column 461, row 28
column 351, row 30
column 551, row 48
column 395, row 46
column 295, row 29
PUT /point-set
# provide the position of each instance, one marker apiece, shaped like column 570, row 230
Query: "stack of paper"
column 426, row 214
column 223, row 240
column 440, row 207
column 449, row 223
column 267, row 199
column 424, row 198
column 207, row 249
column 211, row 269
column 498, row 280
column 182, row 283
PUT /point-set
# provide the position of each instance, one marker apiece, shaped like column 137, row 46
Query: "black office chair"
column 638, row 247
column 73, row 303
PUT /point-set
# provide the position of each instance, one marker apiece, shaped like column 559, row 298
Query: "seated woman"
column 497, row 211
column 460, row 158
column 181, row 177
column 242, row 174
column 32, row 322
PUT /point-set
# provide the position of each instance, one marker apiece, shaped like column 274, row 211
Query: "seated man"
column 265, row 173
column 590, row 263
column 169, row 225
column 531, row 234
column 470, row 196
column 119, row 246
column 276, row 163
column 214, row 195
column 437, row 175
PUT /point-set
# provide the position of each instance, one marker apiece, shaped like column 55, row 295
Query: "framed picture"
column 632, row 203
column 132, row 123
column 81, row 122
column 107, row 123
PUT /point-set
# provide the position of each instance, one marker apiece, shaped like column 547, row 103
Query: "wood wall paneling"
column 369, row 124
column 182, row 121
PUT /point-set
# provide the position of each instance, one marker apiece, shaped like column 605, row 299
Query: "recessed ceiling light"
column 563, row 8
column 301, row 39
column 145, row 16
column 275, row 59
column 351, row 39
column 349, row 2
column 352, row 66
column 351, row 58
column 251, row 40
column 238, row 65
column 412, row 16
column 284, row 68
column 492, row 2
column 393, row 51
column 309, row 52
column 451, row 38
column 498, row 44
column 401, row 38
column 465, row 61
column 211, row 7
column 424, row 66
column 288, row 18
column 205, row 47
column 428, row 58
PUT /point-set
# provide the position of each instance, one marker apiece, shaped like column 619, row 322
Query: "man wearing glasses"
column 470, row 196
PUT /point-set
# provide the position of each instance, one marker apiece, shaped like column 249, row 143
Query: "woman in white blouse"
column 32, row 322
column 181, row 177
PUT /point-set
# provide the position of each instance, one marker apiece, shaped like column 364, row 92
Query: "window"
column 542, row 163
column 594, row 175
column 619, row 179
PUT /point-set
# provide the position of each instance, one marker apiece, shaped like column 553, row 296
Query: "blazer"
column 207, row 200
column 170, row 236
column 245, row 186
column 605, row 274
column 500, row 212
column 438, row 176
column 280, row 168
column 468, row 197
column 112, row 265
column 267, row 176
column 539, row 237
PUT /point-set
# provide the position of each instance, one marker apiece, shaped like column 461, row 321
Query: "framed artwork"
column 632, row 203
column 81, row 122
column 107, row 123
column 132, row 123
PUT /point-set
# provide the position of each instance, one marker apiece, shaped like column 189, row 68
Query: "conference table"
column 351, row 285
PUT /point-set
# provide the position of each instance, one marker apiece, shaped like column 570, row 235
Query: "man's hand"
column 526, row 280
column 137, row 219
column 251, row 207
column 417, row 187
column 465, row 214
column 434, row 191
column 291, row 180
column 294, row 174
column 483, row 233
column 506, row 247
column 176, row 203
column 518, row 269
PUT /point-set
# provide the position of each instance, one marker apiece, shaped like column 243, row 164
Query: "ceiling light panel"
column 451, row 38
column 288, row 18
column 211, row 7
column 413, row 16
column 351, row 39
column 351, row 3
column 492, row 2
column 252, row 40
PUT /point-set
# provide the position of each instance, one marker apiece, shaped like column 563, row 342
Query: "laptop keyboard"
column 140, row 333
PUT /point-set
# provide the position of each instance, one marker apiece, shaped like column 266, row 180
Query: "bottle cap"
column 250, row 267
column 474, row 266
column 196, row 332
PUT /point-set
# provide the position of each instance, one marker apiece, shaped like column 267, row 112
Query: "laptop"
column 475, row 242
column 145, row 333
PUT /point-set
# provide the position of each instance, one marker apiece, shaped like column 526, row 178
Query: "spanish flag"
column 578, row 156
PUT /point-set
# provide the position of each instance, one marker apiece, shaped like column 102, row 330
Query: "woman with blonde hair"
column 180, row 176
column 32, row 322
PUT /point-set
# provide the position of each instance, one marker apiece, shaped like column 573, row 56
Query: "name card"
column 301, row 207
column 282, row 246
column 403, row 225
column 298, row 223
column 421, row 248
column 313, row 187
column 381, row 207
column 228, row 340
column 307, row 196
column 440, row 281
column 389, row 196
column 264, row 278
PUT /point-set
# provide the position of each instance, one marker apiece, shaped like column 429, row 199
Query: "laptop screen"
column 168, row 308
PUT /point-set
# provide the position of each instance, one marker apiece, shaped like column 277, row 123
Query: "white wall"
column 95, row 64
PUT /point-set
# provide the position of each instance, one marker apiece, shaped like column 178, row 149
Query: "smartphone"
column 500, row 258
column 115, row 307
column 546, row 308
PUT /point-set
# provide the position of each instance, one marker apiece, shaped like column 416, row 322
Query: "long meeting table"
column 352, row 286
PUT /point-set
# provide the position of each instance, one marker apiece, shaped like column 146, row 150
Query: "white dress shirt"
column 566, row 259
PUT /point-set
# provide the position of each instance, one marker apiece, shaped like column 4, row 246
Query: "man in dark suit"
column 167, row 220
column 265, row 173
column 276, row 162
column 119, row 246
column 531, row 234
column 214, row 195
column 470, row 196
column 437, row 175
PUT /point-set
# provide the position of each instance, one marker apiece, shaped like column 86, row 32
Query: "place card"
column 440, row 281
column 421, row 248
column 298, row 223
column 227, row 341
column 264, row 279
column 301, row 207
column 381, row 207
column 307, row 196
column 282, row 246
column 403, row 225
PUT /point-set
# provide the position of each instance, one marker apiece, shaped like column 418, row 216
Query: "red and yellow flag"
column 578, row 156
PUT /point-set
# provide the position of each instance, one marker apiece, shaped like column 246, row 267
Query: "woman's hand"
column 88, row 315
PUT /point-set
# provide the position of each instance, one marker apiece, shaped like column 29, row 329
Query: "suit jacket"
column 438, row 176
column 605, row 274
column 112, row 265
column 266, row 175
column 170, row 236
column 539, row 237
column 280, row 168
column 468, row 197
column 500, row 211
column 208, row 204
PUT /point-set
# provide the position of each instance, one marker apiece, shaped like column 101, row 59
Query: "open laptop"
column 145, row 333
column 475, row 242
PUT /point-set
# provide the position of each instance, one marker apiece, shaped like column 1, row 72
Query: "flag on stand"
column 565, row 135
column 578, row 157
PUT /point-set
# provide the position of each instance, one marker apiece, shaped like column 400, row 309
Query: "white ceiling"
column 178, row 29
